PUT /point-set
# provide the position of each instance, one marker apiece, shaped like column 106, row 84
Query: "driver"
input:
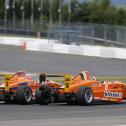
column 93, row 78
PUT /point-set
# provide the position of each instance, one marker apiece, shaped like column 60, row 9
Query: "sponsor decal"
column 95, row 85
column 113, row 99
column 33, row 93
column 106, row 86
column 14, row 88
column 23, row 83
column 97, row 98
column 123, row 100
column 2, row 91
column 68, row 79
column 104, row 99
column 112, row 94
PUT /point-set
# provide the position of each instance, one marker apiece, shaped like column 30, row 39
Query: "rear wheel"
column 43, row 96
column 71, row 99
column 85, row 96
column 24, row 95
column 9, row 98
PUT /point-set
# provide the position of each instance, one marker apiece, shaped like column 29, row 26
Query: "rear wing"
column 4, row 74
column 6, row 78
column 67, row 79
column 52, row 75
column 43, row 76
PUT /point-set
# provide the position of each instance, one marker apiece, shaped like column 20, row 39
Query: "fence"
column 91, row 34
column 78, row 34
column 24, row 29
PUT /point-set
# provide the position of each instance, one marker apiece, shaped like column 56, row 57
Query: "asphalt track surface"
column 14, row 58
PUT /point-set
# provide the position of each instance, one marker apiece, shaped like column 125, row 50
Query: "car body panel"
column 114, row 91
column 12, row 82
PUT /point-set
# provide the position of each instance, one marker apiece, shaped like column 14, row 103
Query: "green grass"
column 121, row 78
column 112, row 78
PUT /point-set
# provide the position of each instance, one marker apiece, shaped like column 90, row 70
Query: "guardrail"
column 78, row 34
column 106, row 42
column 91, row 34
column 33, row 44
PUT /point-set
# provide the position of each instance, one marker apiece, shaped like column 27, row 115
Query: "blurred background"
column 95, row 22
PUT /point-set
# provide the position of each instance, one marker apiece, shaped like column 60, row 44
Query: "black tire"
column 71, row 99
column 9, row 98
column 55, row 98
column 24, row 95
column 43, row 97
column 8, row 101
column 85, row 96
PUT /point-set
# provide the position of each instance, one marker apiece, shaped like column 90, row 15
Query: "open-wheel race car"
column 17, row 88
column 81, row 89
column 20, row 87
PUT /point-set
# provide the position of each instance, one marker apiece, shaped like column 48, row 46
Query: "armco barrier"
column 86, row 50
column 61, row 48
column 10, row 41
column 19, row 41
column 120, row 53
column 33, row 44
column 108, row 52
column 91, row 50
column 73, row 49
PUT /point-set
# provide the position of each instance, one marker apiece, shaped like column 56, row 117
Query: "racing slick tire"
column 43, row 97
column 7, row 101
column 9, row 98
column 24, row 95
column 85, row 96
column 71, row 100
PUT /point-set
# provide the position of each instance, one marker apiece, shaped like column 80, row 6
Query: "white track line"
column 120, row 125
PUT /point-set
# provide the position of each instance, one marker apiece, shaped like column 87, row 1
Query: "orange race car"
column 20, row 87
column 17, row 88
column 81, row 89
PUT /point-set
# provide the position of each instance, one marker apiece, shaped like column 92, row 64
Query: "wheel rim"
column 28, row 95
column 88, row 96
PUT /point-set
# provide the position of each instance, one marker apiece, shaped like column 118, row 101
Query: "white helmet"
column 93, row 78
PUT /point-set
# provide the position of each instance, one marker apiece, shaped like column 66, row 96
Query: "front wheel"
column 85, row 96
